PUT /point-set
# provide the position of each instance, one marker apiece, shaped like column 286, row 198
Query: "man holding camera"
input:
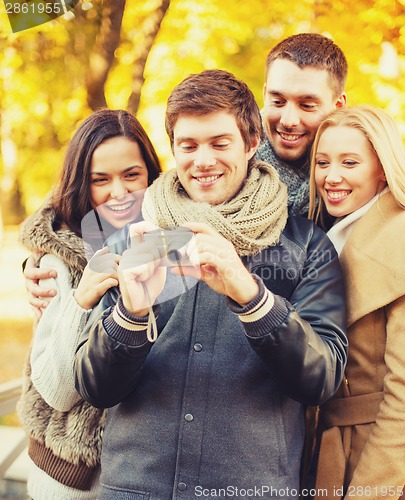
column 206, row 388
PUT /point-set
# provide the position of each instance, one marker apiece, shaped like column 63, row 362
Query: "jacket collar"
column 372, row 259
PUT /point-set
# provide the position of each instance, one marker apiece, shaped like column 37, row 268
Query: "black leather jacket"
column 310, row 346
column 211, row 387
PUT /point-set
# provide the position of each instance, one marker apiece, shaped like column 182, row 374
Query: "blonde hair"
column 383, row 135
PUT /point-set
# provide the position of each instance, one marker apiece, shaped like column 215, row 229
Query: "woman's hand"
column 100, row 274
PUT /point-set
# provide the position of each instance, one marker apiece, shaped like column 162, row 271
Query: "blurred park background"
column 130, row 55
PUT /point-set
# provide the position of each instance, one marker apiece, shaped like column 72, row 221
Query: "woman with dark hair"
column 109, row 163
column 71, row 200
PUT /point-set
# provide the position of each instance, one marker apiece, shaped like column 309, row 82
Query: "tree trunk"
column 148, row 34
column 11, row 207
column 102, row 55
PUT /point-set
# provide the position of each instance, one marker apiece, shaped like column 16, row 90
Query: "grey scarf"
column 297, row 180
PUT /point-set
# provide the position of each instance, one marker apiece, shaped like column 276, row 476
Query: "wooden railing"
column 9, row 394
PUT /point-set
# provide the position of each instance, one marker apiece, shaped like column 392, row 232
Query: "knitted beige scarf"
column 253, row 220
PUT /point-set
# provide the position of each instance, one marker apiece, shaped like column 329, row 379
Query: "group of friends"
column 150, row 381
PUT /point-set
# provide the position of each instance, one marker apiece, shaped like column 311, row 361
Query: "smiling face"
column 117, row 172
column 347, row 170
column 211, row 157
column 296, row 100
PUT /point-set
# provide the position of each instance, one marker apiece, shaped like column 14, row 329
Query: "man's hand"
column 100, row 274
column 38, row 297
column 141, row 277
column 216, row 262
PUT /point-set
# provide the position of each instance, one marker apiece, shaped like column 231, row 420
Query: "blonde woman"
column 358, row 177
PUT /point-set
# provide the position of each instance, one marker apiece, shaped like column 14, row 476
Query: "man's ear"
column 341, row 101
column 254, row 144
column 264, row 92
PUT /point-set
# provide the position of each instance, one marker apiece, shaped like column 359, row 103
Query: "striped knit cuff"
column 263, row 314
column 126, row 328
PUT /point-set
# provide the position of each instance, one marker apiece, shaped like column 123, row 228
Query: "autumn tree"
column 54, row 75
column 102, row 54
column 132, row 54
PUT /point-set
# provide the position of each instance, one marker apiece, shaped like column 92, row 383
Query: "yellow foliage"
column 43, row 70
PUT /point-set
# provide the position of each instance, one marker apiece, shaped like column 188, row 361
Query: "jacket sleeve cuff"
column 263, row 314
column 126, row 328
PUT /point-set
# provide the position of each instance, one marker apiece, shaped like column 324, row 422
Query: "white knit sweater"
column 40, row 486
column 54, row 345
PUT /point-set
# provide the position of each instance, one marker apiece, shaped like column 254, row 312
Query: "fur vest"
column 66, row 445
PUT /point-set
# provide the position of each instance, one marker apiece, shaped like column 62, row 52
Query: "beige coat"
column 363, row 448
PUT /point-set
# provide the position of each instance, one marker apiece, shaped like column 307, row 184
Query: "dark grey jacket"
column 215, row 406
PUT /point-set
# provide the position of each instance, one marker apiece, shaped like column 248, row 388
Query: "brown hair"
column 71, row 199
column 314, row 50
column 215, row 90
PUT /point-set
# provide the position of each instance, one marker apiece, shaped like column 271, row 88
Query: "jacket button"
column 189, row 417
column 182, row 486
column 197, row 347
